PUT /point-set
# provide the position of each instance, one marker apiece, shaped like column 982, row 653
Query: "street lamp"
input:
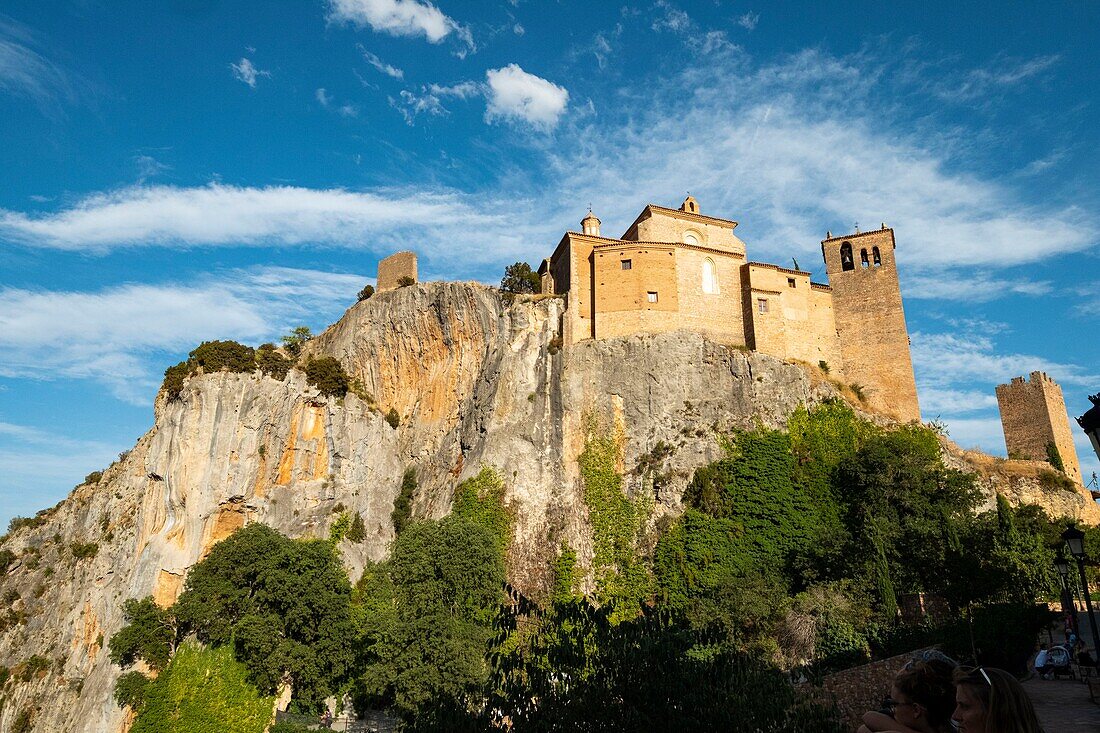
column 1075, row 540
column 1069, row 608
column 1090, row 423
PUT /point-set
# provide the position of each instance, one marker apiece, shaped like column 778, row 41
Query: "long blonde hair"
column 1008, row 709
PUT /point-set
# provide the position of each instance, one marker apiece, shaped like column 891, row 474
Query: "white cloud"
column 971, row 287
column 377, row 63
column 946, row 401
column 116, row 336
column 323, row 97
column 515, row 95
column 229, row 215
column 671, row 18
column 401, row 18
column 245, row 71
column 749, row 20
column 1001, row 73
column 518, row 29
column 945, row 359
column 149, row 167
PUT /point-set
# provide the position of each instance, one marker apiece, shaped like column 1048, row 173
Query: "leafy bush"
column 130, row 690
column 24, row 721
column 174, row 377
column 84, row 550
column 216, row 356
column 340, row 527
column 823, row 366
column 520, row 278
column 393, row 418
column 357, row 532
column 17, row 523
column 149, row 635
column 296, row 339
column 94, row 477
column 203, row 690
column 402, row 503
column 32, row 667
column 327, row 375
column 365, row 293
column 1054, row 458
column 405, row 281
column 272, row 363
column 7, row 558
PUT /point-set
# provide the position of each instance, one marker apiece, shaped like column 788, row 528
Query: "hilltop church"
column 680, row 269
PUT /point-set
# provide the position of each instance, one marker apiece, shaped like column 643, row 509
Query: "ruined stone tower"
column 1033, row 415
column 870, row 321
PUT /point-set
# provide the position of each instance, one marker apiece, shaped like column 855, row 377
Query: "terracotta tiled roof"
column 777, row 267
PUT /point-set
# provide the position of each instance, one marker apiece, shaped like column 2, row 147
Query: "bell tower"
column 870, row 320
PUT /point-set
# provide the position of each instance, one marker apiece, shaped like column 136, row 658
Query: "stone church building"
column 680, row 269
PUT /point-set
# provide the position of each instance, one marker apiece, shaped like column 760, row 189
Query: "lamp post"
column 1075, row 540
column 1090, row 423
column 1069, row 608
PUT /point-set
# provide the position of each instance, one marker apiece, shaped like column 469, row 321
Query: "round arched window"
column 710, row 276
column 692, row 238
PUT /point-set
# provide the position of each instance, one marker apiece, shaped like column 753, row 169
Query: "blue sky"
column 191, row 170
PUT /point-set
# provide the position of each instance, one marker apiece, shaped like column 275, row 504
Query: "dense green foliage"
column 149, row 635
column 402, row 504
column 130, row 690
column 203, row 689
column 365, row 293
column 7, row 559
column 622, row 577
column 405, row 281
column 426, row 613
column 327, row 375
column 284, row 605
column 84, row 550
column 271, row 362
column 230, row 356
column 520, row 278
column 579, row 670
column 357, row 532
column 1054, row 458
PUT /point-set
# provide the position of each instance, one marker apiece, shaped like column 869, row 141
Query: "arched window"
column 846, row 262
column 876, row 257
column 863, row 257
column 710, row 276
column 691, row 237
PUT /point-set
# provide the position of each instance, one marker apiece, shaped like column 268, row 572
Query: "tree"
column 402, row 503
column 297, row 338
column 285, row 605
column 7, row 558
column 130, row 690
column 327, row 375
column 405, row 281
column 365, row 293
column 231, row 356
column 271, row 362
column 149, row 634
column 519, row 278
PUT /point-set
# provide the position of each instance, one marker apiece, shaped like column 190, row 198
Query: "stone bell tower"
column 870, row 321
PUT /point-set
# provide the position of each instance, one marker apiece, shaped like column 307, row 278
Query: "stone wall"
column 860, row 689
column 870, row 321
column 1033, row 414
column 395, row 267
column 658, row 224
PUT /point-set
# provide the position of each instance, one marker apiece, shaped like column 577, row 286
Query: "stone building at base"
column 679, row 269
column 1035, row 422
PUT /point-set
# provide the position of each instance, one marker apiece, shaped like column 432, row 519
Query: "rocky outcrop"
column 475, row 380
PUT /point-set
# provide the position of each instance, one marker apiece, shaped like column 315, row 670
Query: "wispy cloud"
column 1000, row 74
column 326, row 100
column 749, row 20
column 402, row 18
column 377, row 63
column 245, row 71
column 946, row 359
column 27, row 70
column 115, row 336
column 516, row 96
column 979, row 287
column 149, row 167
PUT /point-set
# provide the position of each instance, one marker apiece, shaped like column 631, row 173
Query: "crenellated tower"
column 1036, row 423
column 870, row 320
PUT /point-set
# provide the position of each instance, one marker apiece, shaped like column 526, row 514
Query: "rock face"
column 474, row 380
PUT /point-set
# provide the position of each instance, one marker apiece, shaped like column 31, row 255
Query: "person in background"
column 989, row 700
column 921, row 698
column 1042, row 662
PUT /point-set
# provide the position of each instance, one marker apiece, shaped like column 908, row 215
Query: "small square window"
column 651, row 296
column 790, row 282
column 625, row 264
column 762, row 305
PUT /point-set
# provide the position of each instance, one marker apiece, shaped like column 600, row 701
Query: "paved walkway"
column 1063, row 706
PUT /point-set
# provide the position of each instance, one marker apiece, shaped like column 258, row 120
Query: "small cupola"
column 590, row 225
column 690, row 205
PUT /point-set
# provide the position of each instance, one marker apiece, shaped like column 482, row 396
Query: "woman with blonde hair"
column 989, row 700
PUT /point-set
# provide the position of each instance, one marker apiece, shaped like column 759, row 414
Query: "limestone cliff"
column 475, row 380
